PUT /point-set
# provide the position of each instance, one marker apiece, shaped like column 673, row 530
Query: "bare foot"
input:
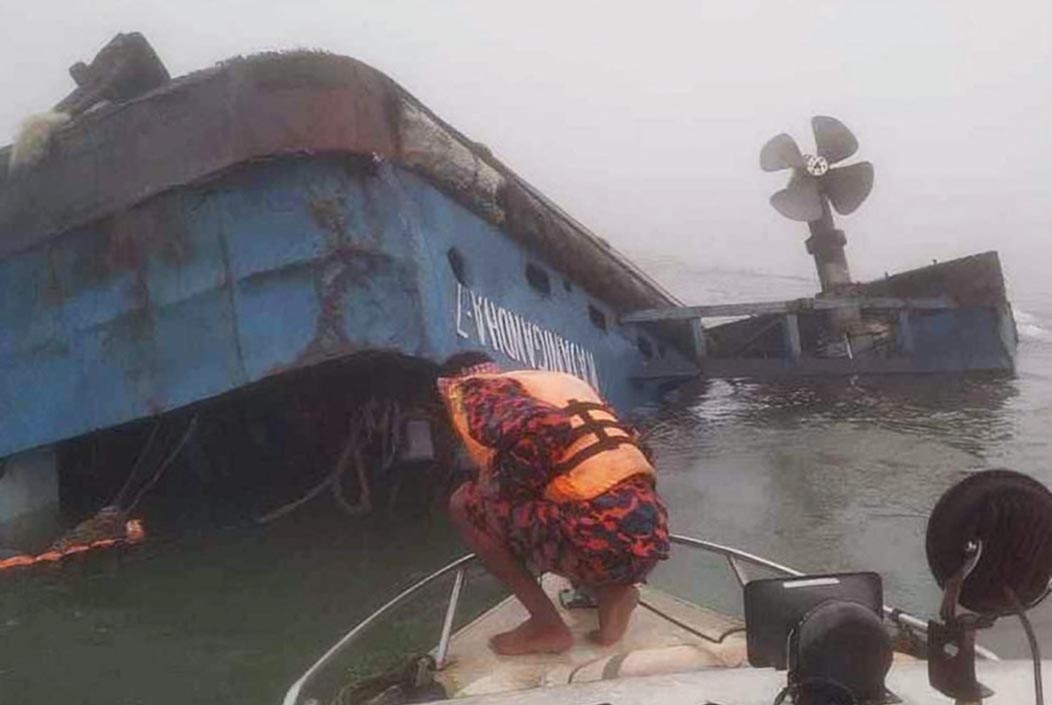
column 532, row 637
column 616, row 603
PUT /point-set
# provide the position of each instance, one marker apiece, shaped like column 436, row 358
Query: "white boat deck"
column 659, row 661
column 1011, row 681
column 652, row 645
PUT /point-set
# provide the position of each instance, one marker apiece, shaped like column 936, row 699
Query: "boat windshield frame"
column 737, row 560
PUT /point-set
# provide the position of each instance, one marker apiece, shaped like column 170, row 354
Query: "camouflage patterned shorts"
column 615, row 538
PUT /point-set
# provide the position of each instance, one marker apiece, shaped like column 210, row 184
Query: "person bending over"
column 561, row 486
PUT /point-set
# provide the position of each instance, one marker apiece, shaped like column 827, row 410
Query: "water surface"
column 820, row 475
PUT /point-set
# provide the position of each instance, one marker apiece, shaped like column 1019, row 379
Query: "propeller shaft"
column 826, row 245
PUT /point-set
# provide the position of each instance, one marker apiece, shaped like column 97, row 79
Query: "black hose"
column 692, row 630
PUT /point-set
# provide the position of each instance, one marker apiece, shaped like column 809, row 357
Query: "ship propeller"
column 814, row 177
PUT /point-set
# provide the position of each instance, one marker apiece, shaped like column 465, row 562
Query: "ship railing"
column 737, row 562
column 787, row 313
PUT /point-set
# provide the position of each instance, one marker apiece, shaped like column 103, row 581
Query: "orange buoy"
column 16, row 561
column 133, row 530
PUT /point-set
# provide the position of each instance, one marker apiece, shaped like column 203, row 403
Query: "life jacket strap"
column 582, row 408
column 608, row 443
column 596, row 427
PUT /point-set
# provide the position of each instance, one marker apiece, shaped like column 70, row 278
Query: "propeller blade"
column 800, row 200
column 832, row 139
column 848, row 186
column 779, row 153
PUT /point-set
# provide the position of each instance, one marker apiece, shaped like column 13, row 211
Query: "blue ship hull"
column 281, row 265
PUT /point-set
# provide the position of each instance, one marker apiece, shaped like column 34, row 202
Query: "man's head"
column 465, row 363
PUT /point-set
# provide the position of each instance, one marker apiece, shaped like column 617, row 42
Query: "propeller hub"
column 816, row 165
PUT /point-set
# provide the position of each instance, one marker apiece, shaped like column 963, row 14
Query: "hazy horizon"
column 646, row 124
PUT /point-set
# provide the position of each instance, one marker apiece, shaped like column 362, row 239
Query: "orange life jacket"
column 602, row 452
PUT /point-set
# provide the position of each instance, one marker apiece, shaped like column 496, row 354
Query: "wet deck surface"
column 652, row 644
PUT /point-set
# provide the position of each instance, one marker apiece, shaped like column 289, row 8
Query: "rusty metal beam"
column 805, row 305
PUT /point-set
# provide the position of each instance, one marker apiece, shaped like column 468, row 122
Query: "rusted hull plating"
column 277, row 265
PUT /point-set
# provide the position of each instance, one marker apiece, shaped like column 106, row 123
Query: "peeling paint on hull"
column 274, row 266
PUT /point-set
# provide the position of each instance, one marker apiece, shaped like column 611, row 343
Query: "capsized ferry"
column 170, row 242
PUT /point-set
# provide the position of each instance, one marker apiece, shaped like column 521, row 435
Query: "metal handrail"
column 442, row 651
column 734, row 559
column 732, row 555
column 293, row 693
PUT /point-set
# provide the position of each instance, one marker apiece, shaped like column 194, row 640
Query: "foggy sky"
column 645, row 120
